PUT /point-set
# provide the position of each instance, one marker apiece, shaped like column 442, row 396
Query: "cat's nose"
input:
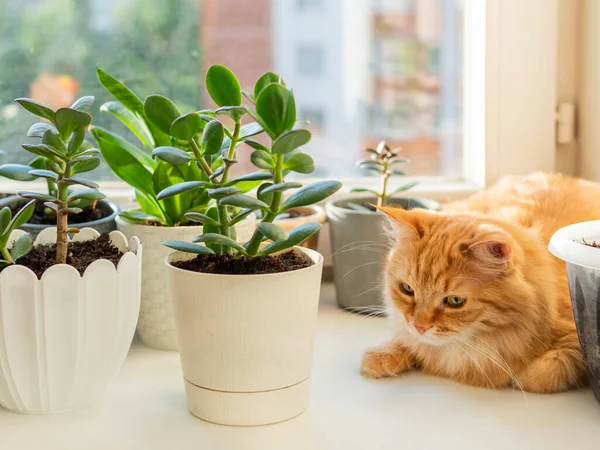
column 421, row 329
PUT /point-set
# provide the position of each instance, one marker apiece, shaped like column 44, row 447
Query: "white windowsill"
column 145, row 408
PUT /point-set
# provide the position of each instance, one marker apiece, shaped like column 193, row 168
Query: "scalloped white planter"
column 156, row 325
column 64, row 337
column 246, row 341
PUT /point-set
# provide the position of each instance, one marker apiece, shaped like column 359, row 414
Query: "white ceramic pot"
column 64, row 337
column 583, row 271
column 246, row 341
column 156, row 326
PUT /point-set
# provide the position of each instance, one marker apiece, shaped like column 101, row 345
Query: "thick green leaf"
column 301, row 163
column 150, row 205
column 21, row 217
column 41, row 173
column 131, row 120
column 137, row 216
column 37, row 108
column 53, row 206
column 161, row 111
column 240, row 216
column 398, row 172
column 311, row 194
column 254, row 176
column 296, row 236
column 280, row 187
column 202, row 218
column 235, row 112
column 83, row 104
column 86, row 194
column 70, row 210
column 36, row 196
column 52, row 139
column 42, row 150
column 263, row 196
column 223, row 86
column 370, row 191
column 243, row 201
column 119, row 91
column 404, row 187
column 76, row 140
column 223, row 191
column 273, row 232
column 212, row 138
column 38, row 129
column 81, row 158
column 166, row 176
column 272, row 105
column 82, row 181
column 186, row 126
column 180, row 188
column 250, row 129
column 67, row 120
column 187, row 247
column 130, row 164
column 5, row 217
column 85, row 166
column 208, row 228
column 248, row 95
column 265, row 80
column 18, row 172
column 262, row 160
column 172, row 155
column 218, row 239
column 290, row 140
column 21, row 246
column 256, row 145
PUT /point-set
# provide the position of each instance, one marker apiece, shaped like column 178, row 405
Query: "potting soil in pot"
column 80, row 255
column 258, row 265
column 89, row 214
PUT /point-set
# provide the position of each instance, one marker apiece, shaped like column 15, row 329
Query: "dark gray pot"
column 104, row 225
column 359, row 246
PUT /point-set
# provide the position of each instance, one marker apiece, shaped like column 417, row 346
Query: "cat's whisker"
column 478, row 366
column 359, row 267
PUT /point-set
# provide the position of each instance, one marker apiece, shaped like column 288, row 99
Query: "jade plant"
column 213, row 146
column 383, row 161
column 66, row 155
column 154, row 131
column 8, row 224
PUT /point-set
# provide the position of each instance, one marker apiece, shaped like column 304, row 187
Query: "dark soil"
column 591, row 244
column 80, row 255
column 90, row 213
column 229, row 265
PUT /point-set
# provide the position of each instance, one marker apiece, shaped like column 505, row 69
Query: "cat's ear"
column 404, row 223
column 492, row 247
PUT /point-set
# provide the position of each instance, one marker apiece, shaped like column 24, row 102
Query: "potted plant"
column 359, row 242
column 68, row 309
column 579, row 246
column 161, row 130
column 298, row 216
column 97, row 214
column 246, row 313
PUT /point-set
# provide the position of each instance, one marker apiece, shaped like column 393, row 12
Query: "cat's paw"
column 384, row 362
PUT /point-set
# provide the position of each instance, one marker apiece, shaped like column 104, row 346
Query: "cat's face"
column 449, row 276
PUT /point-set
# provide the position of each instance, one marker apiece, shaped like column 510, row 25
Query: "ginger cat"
column 473, row 294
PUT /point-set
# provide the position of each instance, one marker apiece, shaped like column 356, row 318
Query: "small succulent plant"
column 382, row 161
column 65, row 156
column 212, row 147
column 8, row 223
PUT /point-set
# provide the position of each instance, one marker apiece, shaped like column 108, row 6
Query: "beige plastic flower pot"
column 246, row 341
column 156, row 326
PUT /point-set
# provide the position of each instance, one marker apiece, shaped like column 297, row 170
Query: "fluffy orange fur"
column 515, row 327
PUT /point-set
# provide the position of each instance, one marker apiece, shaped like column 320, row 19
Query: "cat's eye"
column 454, row 302
column 407, row 289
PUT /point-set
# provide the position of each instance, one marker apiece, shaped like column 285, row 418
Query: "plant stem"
column 6, row 255
column 382, row 197
column 255, row 241
column 62, row 219
column 203, row 164
column 223, row 210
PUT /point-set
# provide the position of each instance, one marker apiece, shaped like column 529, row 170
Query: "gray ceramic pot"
column 359, row 246
column 104, row 225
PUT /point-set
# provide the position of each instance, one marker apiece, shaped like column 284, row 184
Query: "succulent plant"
column 382, row 161
column 212, row 147
column 8, row 223
column 65, row 156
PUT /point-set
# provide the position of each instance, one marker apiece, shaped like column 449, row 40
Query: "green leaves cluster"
column 383, row 161
column 161, row 158
column 65, row 156
column 8, row 224
column 203, row 138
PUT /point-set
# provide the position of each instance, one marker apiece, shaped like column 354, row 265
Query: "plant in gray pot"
column 97, row 214
column 579, row 246
column 359, row 242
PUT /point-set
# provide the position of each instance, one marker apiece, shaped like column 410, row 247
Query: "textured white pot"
column 64, row 337
column 156, row 325
column 246, row 341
